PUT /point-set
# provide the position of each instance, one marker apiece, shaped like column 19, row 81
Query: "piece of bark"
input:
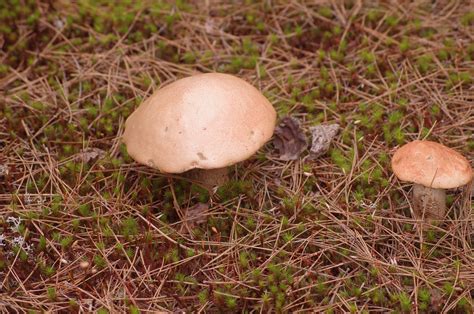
column 322, row 136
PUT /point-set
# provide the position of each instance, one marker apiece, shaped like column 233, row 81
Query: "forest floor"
column 84, row 228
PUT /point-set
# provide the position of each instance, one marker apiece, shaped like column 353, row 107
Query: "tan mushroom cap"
column 204, row 121
column 431, row 165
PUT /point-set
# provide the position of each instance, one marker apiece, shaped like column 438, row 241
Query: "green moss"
column 464, row 306
column 424, row 63
column 47, row 270
column 100, row 261
column 102, row 310
column 336, row 30
column 391, row 21
column 51, row 292
column 468, row 19
column 203, row 296
column 233, row 189
column 231, row 302
column 404, row 45
column 129, row 227
column 84, row 210
column 288, row 237
column 336, row 56
column 244, row 259
column 189, row 57
column 339, row 158
column 373, row 15
column 424, row 296
column 443, row 54
column 321, row 287
column 321, row 55
column 66, row 242
column 448, row 288
column 325, row 11
column 405, row 302
column 42, row 243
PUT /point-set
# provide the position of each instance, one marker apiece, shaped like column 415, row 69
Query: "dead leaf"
column 89, row 154
column 322, row 138
column 290, row 140
column 59, row 24
column 436, row 300
column 194, row 216
column 3, row 170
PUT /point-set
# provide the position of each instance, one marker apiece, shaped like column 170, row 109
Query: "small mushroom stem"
column 210, row 177
column 429, row 203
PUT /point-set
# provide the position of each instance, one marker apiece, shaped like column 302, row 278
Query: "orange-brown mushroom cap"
column 204, row 121
column 431, row 165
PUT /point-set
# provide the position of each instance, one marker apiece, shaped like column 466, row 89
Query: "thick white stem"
column 429, row 203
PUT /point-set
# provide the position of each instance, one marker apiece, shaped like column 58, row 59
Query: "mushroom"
column 203, row 123
column 432, row 168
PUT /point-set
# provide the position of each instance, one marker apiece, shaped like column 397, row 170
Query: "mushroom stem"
column 210, row 177
column 429, row 203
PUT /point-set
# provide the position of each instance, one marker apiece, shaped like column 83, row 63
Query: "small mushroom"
column 432, row 168
column 203, row 123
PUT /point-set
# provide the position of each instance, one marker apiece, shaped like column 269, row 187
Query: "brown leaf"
column 88, row 154
column 322, row 138
column 290, row 140
column 194, row 216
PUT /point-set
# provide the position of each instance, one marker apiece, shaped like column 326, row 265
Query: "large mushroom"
column 432, row 168
column 204, row 122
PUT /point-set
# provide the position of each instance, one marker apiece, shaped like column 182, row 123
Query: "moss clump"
column 233, row 189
